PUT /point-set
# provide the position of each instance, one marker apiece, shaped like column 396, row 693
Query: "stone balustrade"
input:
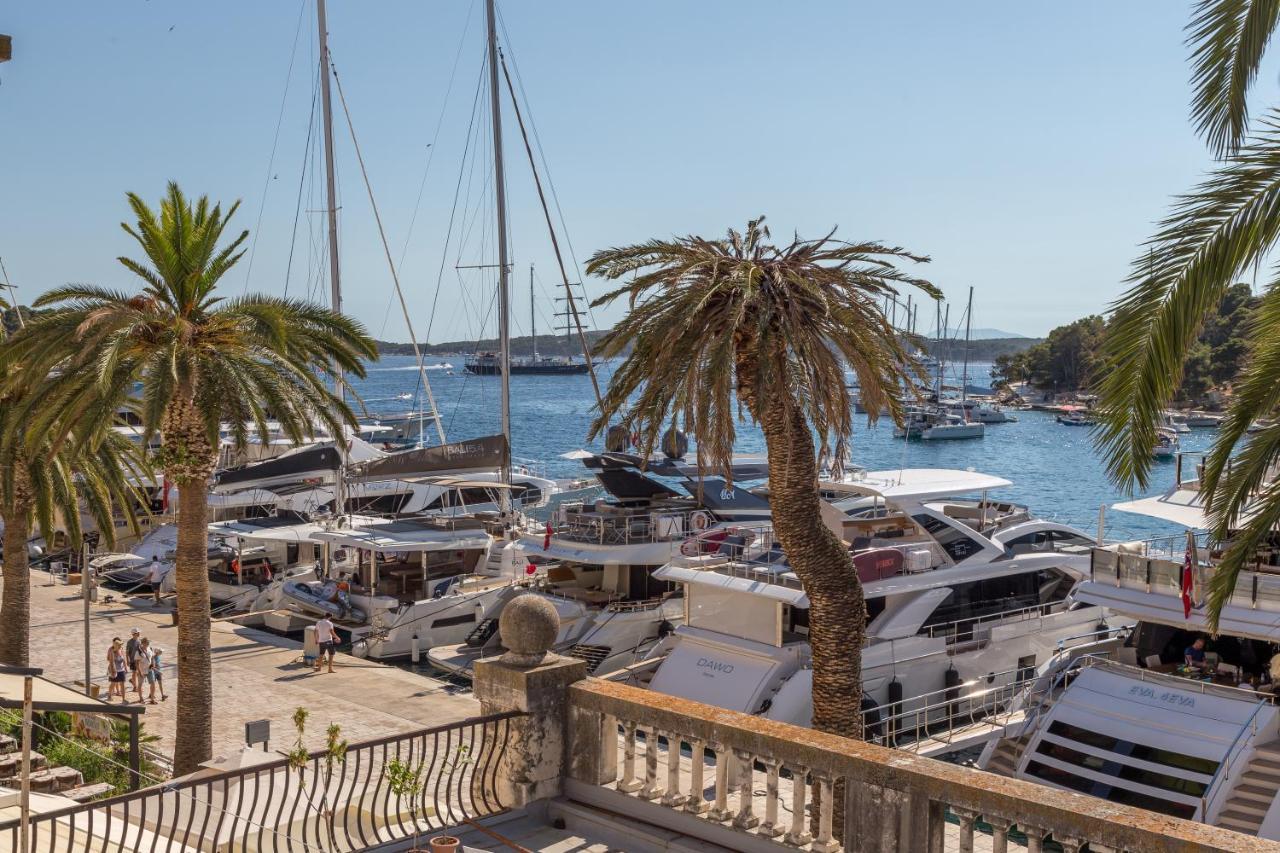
column 709, row 763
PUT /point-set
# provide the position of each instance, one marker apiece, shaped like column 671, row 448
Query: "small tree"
column 405, row 781
column 335, row 751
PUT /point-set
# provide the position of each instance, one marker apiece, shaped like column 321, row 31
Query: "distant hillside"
column 979, row 350
column 984, row 334
column 547, row 345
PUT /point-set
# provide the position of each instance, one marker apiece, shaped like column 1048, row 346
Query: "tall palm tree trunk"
column 15, row 606
column 837, row 610
column 189, row 460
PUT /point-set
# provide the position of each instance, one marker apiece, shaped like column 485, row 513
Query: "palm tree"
column 1227, row 223
column 199, row 359
column 47, row 478
column 714, row 321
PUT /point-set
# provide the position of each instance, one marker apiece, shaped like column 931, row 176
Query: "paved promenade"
column 256, row 675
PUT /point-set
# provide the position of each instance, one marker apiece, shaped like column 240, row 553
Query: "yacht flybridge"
column 956, row 589
column 1137, row 724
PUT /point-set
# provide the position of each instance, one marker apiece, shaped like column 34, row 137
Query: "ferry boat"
column 956, row 589
column 1136, row 724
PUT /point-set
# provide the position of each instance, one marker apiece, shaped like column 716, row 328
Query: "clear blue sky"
column 1027, row 147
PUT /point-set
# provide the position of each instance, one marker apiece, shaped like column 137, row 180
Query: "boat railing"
column 939, row 716
column 580, row 522
column 1220, row 780
column 967, row 628
column 1159, row 569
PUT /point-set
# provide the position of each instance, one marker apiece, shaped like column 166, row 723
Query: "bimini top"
column 286, row 527
column 404, row 535
column 1179, row 505
column 919, row 483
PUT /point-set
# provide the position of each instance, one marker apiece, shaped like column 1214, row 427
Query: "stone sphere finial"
column 528, row 627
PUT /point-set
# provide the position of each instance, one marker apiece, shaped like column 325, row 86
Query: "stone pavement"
column 257, row 675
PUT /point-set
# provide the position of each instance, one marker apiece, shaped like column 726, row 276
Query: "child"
column 155, row 676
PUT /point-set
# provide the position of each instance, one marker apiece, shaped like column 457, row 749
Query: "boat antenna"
column 533, row 317
column 504, row 304
column 555, row 242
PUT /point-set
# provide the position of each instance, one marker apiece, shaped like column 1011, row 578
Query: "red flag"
column 164, row 494
column 1188, row 579
column 530, row 569
column 546, row 539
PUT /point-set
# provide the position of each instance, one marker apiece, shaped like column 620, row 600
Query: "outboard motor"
column 675, row 444
column 617, row 439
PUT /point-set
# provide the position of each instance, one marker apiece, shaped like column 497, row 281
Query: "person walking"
column 142, row 665
column 327, row 637
column 155, row 677
column 131, row 658
column 116, row 668
column 155, row 574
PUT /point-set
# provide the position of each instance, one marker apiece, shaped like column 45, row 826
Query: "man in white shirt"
column 155, row 574
column 327, row 637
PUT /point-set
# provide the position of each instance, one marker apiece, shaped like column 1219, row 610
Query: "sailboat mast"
column 331, row 201
column 500, row 193
column 964, row 375
column 533, row 316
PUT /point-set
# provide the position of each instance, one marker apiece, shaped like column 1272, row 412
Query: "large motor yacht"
column 1146, row 724
column 595, row 561
column 956, row 590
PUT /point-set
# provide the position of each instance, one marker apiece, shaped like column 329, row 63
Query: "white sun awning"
column 399, row 536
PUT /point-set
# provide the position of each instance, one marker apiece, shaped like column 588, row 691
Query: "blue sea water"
column 1053, row 468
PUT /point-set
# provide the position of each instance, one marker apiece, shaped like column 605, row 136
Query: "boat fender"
column 951, row 680
column 360, row 649
column 895, row 692
column 871, row 728
column 700, row 521
column 665, row 628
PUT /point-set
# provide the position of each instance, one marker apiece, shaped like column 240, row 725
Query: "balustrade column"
column 1071, row 845
column 745, row 767
column 770, row 826
column 966, row 819
column 673, row 797
column 825, row 842
column 999, row 834
column 629, row 782
column 720, row 811
column 1035, row 838
column 651, row 790
column 799, row 834
column 696, row 802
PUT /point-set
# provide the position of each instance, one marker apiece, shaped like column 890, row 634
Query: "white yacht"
column 595, row 561
column 938, row 424
column 1167, row 444
column 1137, row 725
column 956, row 589
column 977, row 411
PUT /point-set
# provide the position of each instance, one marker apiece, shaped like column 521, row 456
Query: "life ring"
column 700, row 521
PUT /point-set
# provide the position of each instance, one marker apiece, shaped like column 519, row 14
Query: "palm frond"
column 1227, row 39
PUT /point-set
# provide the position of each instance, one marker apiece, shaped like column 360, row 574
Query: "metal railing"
column 1153, row 571
column 580, row 523
column 962, row 629
column 342, row 805
column 1218, row 783
column 937, row 716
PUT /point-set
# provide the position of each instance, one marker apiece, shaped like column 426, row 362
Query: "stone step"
column 55, row 779
column 8, row 744
column 85, row 793
column 11, row 764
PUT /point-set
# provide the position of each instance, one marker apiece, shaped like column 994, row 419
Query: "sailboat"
column 490, row 364
column 941, row 422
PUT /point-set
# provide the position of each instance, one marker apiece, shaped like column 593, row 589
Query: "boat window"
column 450, row 621
column 456, row 498
column 1113, row 793
column 1116, row 767
column 1044, row 540
column 979, row 599
column 1207, row 766
column 388, row 504
column 957, row 545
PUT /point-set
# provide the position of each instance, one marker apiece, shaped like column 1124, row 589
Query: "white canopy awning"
column 399, row 536
column 1181, row 506
column 920, row 483
column 792, row 595
column 262, row 529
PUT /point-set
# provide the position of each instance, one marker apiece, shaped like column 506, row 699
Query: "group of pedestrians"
column 135, row 661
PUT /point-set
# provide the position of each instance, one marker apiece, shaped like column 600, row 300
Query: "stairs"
column 593, row 655
column 1005, row 758
column 482, row 633
column 1252, row 796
